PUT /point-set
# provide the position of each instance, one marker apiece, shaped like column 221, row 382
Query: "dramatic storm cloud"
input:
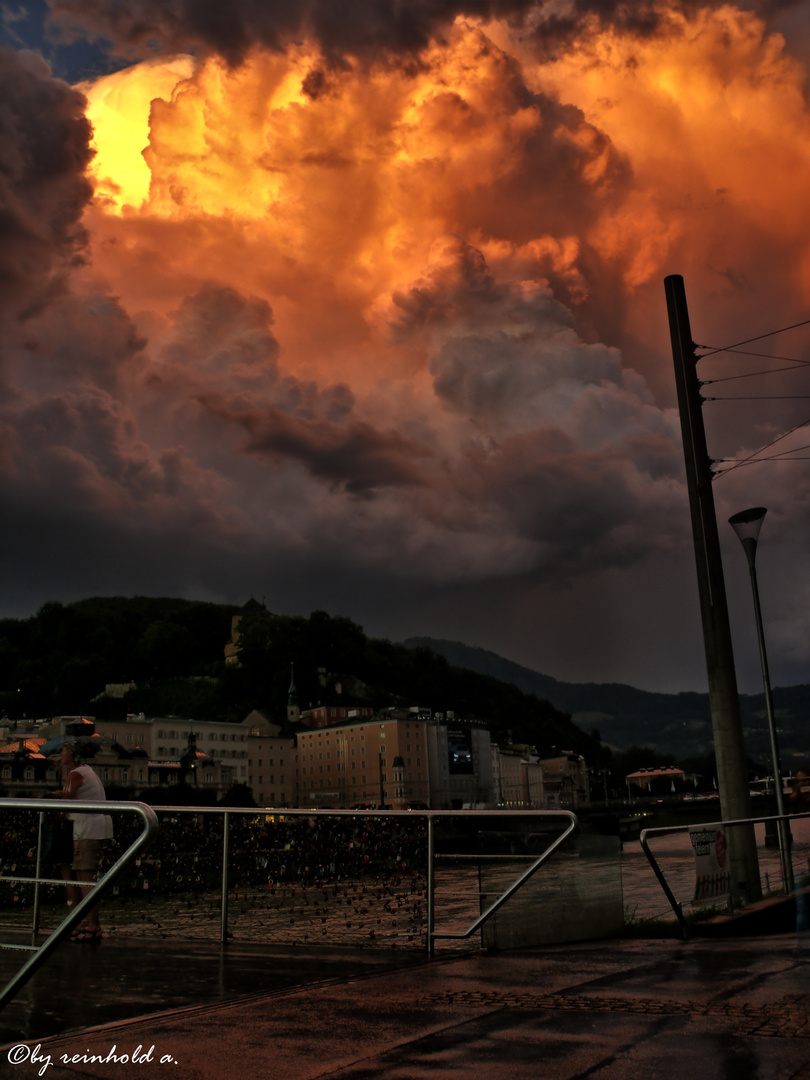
column 368, row 315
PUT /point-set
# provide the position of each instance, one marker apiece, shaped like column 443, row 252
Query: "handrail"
column 517, row 884
column 98, row 889
column 429, row 815
column 668, row 830
column 227, row 813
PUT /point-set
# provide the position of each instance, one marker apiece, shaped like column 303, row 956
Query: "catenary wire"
column 747, row 341
column 754, row 458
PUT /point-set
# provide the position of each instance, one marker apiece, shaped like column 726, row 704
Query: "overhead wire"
column 755, row 457
column 761, row 397
column 759, row 337
column 752, row 459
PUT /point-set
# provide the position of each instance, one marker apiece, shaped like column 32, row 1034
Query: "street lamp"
column 746, row 525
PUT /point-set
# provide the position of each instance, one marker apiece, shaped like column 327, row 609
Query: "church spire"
column 293, row 711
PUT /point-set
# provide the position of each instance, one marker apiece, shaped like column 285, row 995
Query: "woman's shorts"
column 87, row 854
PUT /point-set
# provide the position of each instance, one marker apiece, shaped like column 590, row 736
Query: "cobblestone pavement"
column 787, row 1017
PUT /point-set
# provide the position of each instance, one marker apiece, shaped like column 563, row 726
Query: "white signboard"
column 712, row 877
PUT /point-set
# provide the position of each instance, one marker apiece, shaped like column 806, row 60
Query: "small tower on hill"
column 293, row 711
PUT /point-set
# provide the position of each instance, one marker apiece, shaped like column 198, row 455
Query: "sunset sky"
column 366, row 313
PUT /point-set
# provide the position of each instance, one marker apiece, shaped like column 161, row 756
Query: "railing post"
column 96, row 894
column 35, row 919
column 223, row 929
column 431, row 887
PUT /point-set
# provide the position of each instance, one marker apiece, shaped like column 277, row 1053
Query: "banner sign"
column 712, row 877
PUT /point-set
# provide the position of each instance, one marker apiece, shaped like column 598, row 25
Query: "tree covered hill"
column 59, row 661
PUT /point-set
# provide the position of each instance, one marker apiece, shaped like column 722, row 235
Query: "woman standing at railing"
column 89, row 833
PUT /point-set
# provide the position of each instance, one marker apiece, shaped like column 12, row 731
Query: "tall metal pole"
column 732, row 779
column 747, row 525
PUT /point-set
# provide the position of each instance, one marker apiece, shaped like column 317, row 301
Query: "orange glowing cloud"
column 713, row 118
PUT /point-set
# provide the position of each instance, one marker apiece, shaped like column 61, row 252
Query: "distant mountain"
column 677, row 724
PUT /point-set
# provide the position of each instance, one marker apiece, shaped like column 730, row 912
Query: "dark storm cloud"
column 224, row 339
column 354, row 456
column 44, row 151
column 219, row 331
column 82, row 450
column 370, row 28
column 90, row 339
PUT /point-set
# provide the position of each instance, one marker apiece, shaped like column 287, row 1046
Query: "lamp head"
column 746, row 525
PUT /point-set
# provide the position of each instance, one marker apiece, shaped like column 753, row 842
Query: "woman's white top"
column 90, row 826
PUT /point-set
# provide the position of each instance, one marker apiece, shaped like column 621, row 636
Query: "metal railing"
column 97, row 890
column 669, row 830
column 430, row 817
column 536, row 863
column 536, row 821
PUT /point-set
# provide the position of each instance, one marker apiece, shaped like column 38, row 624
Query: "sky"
column 367, row 315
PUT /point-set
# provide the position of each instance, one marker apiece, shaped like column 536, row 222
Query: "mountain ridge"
column 677, row 724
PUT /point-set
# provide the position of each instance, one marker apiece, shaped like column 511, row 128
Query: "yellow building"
column 374, row 762
column 271, row 762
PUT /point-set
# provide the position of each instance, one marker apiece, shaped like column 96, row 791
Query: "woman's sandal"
column 84, row 937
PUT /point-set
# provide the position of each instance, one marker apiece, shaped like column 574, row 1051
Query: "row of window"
column 212, row 736
column 174, row 752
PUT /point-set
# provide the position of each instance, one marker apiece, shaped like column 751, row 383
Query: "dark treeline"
column 59, row 661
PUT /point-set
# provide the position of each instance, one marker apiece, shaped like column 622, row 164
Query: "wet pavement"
column 81, row 986
column 615, row 1010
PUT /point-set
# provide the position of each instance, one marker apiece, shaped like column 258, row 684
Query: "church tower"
column 293, row 711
